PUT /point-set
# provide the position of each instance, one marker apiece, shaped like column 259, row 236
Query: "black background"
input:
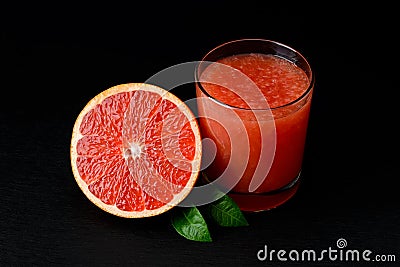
column 56, row 57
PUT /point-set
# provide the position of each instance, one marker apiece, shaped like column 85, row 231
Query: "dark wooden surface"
column 56, row 58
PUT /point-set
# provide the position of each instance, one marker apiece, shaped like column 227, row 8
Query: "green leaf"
column 227, row 213
column 189, row 223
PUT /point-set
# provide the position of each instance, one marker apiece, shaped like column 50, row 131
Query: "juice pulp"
column 281, row 83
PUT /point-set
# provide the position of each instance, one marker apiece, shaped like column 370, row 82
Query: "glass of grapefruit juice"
column 253, row 100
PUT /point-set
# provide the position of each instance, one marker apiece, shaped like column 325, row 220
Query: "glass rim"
column 293, row 102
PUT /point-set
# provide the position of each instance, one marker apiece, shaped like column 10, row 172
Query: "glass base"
column 253, row 202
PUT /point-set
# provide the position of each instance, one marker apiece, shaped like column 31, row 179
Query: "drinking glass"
column 256, row 140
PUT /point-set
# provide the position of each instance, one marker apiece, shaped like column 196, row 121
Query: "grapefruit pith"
column 135, row 150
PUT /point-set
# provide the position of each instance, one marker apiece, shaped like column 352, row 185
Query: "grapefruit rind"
column 196, row 162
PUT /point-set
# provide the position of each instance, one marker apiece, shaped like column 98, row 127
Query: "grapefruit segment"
column 135, row 150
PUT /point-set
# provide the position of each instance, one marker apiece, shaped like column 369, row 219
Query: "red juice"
column 282, row 90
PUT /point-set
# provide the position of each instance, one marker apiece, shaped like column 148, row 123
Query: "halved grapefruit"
column 135, row 150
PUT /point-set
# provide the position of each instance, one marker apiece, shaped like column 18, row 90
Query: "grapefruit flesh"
column 135, row 150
